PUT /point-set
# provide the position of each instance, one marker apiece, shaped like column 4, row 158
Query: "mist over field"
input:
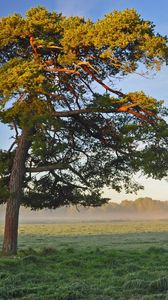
column 140, row 209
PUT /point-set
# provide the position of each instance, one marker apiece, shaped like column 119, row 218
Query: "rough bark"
column 15, row 194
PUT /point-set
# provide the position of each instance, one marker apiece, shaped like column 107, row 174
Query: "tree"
column 72, row 126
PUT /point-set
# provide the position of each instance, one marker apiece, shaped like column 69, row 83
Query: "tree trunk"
column 15, row 194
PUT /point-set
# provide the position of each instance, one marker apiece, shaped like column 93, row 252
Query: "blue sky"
column 155, row 11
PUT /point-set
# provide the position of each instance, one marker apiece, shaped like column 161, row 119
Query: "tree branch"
column 57, row 166
column 107, row 88
column 68, row 183
column 62, row 70
column 123, row 108
column 11, row 147
column 32, row 43
column 79, row 175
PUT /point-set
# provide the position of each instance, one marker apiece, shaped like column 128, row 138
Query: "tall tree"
column 71, row 124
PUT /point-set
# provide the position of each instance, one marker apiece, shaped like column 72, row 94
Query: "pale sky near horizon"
column 155, row 11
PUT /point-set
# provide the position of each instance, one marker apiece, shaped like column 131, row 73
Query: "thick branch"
column 49, row 47
column 140, row 116
column 81, row 111
column 46, row 168
column 123, row 108
column 86, row 63
column 32, row 43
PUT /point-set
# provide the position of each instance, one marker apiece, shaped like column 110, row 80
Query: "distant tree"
column 71, row 125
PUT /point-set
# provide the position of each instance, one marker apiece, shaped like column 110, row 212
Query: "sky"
column 155, row 11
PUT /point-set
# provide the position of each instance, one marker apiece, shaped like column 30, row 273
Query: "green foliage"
column 11, row 28
column 29, row 78
column 141, row 99
column 128, row 37
column 6, row 160
column 154, row 154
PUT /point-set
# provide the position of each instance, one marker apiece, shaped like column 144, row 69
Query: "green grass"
column 88, row 262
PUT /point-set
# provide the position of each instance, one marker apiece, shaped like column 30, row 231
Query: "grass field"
column 104, row 261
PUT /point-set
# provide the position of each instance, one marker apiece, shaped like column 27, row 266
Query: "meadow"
column 88, row 261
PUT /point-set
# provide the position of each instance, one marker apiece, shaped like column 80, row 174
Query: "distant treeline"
column 141, row 208
column 138, row 205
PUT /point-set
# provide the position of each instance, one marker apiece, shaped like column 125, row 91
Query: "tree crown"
column 50, row 67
